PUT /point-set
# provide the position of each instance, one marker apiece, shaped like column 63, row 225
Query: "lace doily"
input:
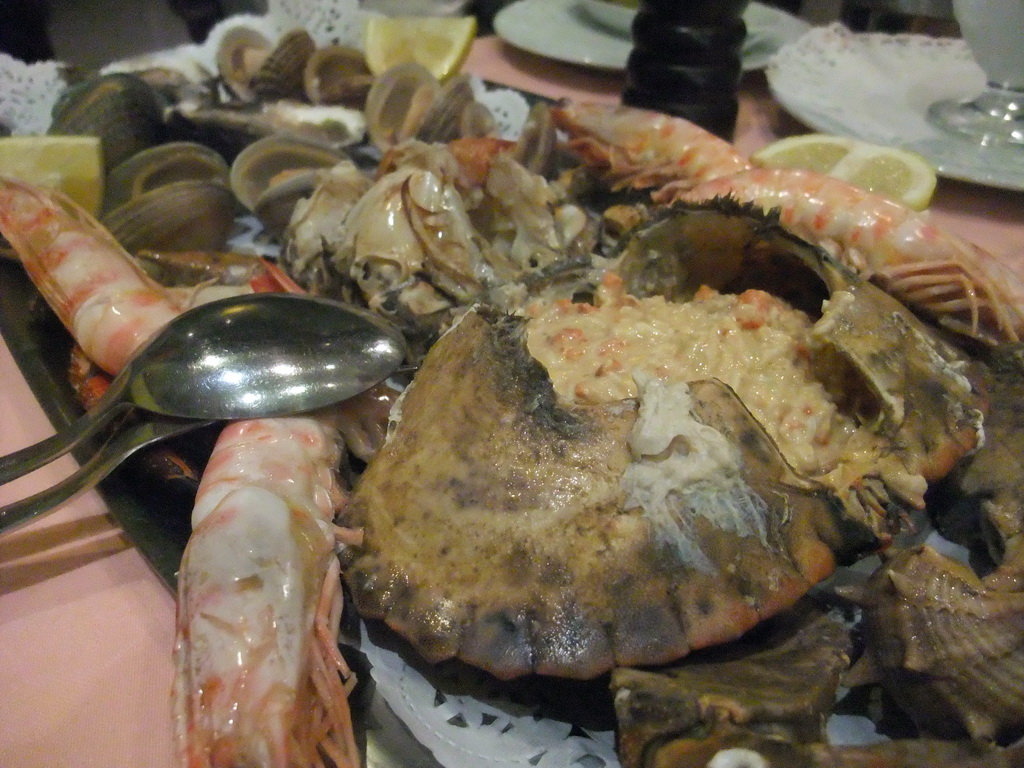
column 878, row 87
column 832, row 75
column 28, row 93
column 485, row 731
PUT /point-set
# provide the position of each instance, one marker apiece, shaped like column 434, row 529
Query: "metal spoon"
column 251, row 356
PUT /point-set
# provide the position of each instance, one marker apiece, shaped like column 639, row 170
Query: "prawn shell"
column 181, row 216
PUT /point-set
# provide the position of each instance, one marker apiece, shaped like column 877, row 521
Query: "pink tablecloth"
column 86, row 627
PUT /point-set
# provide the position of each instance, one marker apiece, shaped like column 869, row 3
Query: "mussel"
column 121, row 109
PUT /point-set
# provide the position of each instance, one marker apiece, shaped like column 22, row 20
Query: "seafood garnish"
column 259, row 672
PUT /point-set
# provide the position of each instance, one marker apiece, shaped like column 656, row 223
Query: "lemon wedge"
column 71, row 164
column 898, row 174
column 439, row 43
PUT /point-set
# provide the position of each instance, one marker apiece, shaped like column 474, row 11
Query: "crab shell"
column 496, row 529
column 921, row 394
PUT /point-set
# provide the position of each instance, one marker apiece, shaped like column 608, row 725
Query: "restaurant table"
column 86, row 627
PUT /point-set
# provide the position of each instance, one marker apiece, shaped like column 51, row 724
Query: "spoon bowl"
column 243, row 357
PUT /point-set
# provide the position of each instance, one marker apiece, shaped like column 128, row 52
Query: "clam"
column 337, row 74
column 121, row 109
column 398, row 103
column 159, row 165
column 271, row 159
column 443, row 121
column 241, row 53
column 180, row 216
column 538, row 143
column 280, row 76
column 275, row 205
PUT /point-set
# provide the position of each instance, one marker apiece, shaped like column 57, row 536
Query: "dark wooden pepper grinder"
column 686, row 60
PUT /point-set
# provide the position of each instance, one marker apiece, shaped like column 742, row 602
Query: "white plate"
column 877, row 88
column 563, row 30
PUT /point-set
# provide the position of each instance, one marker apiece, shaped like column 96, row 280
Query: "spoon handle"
column 119, row 448
column 21, row 462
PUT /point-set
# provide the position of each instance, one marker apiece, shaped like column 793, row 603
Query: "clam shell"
column 121, row 109
column 398, row 103
column 240, row 54
column 159, row 165
column 337, row 74
column 477, row 120
column 443, row 120
column 275, row 205
column 270, row 160
column 281, row 74
column 537, row 145
column 181, row 216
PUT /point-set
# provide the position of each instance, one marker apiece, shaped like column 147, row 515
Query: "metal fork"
column 122, row 445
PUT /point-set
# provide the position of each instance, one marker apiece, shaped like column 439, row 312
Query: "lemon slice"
column 71, row 164
column 898, row 174
column 439, row 43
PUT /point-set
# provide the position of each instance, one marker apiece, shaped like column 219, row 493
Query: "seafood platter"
column 663, row 481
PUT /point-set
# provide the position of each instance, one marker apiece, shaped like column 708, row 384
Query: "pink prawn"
column 642, row 149
column 965, row 288
column 259, row 676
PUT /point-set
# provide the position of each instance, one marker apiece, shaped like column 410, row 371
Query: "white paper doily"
column 878, row 87
column 462, row 730
column 28, row 93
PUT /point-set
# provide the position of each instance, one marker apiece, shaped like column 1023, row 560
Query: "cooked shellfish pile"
column 663, row 427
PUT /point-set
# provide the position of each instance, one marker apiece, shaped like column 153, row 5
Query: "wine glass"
column 994, row 31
